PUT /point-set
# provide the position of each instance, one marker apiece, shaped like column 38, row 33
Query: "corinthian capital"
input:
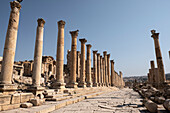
column 61, row 24
column 41, row 22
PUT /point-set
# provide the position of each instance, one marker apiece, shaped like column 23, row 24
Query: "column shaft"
column 95, row 69
column 88, row 71
column 108, row 68
column 98, row 70
column 101, row 70
column 106, row 71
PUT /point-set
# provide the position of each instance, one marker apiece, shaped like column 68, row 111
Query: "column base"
column 58, row 85
column 89, row 84
column 83, row 85
column 99, row 84
column 37, row 91
column 95, row 84
column 8, row 88
column 72, row 85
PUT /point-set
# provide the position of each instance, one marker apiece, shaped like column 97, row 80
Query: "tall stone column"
column 88, row 71
column 101, row 70
column 72, row 82
column 60, row 56
column 121, row 79
column 160, row 65
column 98, row 70
column 95, row 69
column 9, row 49
column 108, row 68
column 112, row 73
column 104, row 77
column 82, row 82
column 106, row 71
column 38, row 53
column 78, row 65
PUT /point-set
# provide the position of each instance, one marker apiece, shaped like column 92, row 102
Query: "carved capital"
column 89, row 45
column 95, row 51
column 41, row 22
column 98, row 54
column 108, row 55
column 83, row 40
column 61, row 24
column 154, row 34
column 112, row 61
column 105, row 53
column 74, row 33
column 15, row 4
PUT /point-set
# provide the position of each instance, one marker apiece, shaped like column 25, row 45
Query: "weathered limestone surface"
column 98, row 70
column 73, row 83
column 60, row 56
column 95, row 69
column 82, row 82
column 88, row 71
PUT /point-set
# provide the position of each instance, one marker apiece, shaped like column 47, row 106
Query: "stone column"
column 108, row 68
column 88, row 71
column 98, row 70
column 101, row 71
column 106, row 71
column 60, row 56
column 38, row 53
column 78, row 65
column 95, row 69
column 72, row 82
column 112, row 73
column 121, row 79
column 104, row 77
column 82, row 82
column 160, row 65
column 9, row 49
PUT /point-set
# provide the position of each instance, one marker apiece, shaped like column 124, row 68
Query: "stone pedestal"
column 95, row 69
column 108, row 68
column 88, row 71
column 160, row 65
column 106, row 71
column 82, row 82
column 72, row 83
column 60, row 56
column 98, row 70
column 9, row 50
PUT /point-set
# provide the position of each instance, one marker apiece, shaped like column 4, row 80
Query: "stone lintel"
column 15, row 4
column 41, row 22
column 83, row 40
column 74, row 33
column 89, row 45
column 154, row 34
column 95, row 51
column 61, row 24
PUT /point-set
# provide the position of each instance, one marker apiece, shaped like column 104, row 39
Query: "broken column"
column 108, row 68
column 95, row 69
column 112, row 73
column 106, row 71
column 9, row 50
column 72, row 83
column 160, row 65
column 60, row 56
column 98, row 69
column 101, row 70
column 88, row 71
column 36, row 88
column 82, row 82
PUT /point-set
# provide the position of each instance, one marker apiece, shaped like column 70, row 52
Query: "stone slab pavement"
column 121, row 101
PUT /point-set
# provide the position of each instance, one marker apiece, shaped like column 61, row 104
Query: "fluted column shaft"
column 73, row 83
column 60, row 55
column 160, row 65
column 88, row 71
column 98, row 70
column 82, row 63
column 10, row 44
column 38, row 53
column 95, row 68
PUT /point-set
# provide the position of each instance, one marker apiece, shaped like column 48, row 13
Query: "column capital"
column 61, row 24
column 74, row 33
column 152, row 64
column 112, row 61
column 89, row 45
column 98, row 54
column 41, row 22
column 95, row 51
column 78, row 52
column 15, row 4
column 154, row 34
column 104, row 53
column 83, row 40
column 108, row 55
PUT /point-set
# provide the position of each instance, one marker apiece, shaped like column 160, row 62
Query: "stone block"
column 5, row 99
column 26, row 97
column 166, row 104
column 9, row 107
column 37, row 102
column 26, row 105
column 15, row 99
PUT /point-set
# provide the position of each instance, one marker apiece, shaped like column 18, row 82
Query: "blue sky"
column 122, row 27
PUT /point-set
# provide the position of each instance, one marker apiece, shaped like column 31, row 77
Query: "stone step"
column 56, row 95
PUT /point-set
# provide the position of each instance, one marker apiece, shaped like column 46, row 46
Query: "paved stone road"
column 121, row 101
